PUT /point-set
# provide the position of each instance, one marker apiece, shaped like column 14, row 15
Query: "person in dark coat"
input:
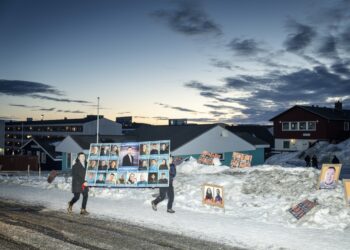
column 163, row 191
column 335, row 160
column 307, row 161
column 79, row 185
column 128, row 159
column 314, row 161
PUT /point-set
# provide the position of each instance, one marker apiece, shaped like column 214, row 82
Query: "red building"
column 298, row 127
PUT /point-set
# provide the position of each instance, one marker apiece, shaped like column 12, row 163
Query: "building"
column 18, row 133
column 2, row 137
column 300, row 126
column 192, row 140
column 128, row 126
column 185, row 141
column 44, row 149
column 177, row 122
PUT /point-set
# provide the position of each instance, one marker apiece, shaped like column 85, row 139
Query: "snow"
column 255, row 214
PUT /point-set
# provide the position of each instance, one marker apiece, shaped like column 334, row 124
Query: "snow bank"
column 262, row 194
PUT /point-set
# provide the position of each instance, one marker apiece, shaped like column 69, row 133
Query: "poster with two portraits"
column 132, row 164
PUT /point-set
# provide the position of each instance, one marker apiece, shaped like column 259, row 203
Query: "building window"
column 346, row 126
column 286, row 144
column 285, row 126
column 294, row 126
column 302, row 125
column 311, row 126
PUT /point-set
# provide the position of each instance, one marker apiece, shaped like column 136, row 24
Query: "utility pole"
column 98, row 119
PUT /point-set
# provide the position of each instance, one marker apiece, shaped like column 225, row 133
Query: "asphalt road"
column 34, row 227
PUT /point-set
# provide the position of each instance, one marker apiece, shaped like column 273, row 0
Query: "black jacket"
column 127, row 162
column 78, row 177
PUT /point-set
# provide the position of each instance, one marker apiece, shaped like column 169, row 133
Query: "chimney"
column 338, row 105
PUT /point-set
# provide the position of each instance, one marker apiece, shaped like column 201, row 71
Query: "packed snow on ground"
column 324, row 152
column 256, row 199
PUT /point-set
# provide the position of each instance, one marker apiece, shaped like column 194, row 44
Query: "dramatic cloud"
column 301, row 37
column 23, row 88
column 58, row 99
column 203, row 87
column 245, row 47
column 188, row 19
column 24, row 106
column 328, row 47
column 221, row 64
column 70, row 111
column 47, row 109
column 176, row 108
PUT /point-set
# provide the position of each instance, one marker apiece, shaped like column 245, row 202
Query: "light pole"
column 98, row 119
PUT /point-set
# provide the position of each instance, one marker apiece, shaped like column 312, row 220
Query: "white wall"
column 107, row 127
column 215, row 140
column 295, row 144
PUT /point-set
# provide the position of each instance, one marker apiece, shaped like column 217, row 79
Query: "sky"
column 209, row 61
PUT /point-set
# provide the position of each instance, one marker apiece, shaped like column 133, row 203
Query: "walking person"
column 79, row 185
column 163, row 191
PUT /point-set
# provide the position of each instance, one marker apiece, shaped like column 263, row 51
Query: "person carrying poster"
column 79, row 185
column 167, row 190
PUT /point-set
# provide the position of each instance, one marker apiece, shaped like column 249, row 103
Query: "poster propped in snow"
column 133, row 164
column 213, row 195
column 302, row 208
column 207, row 158
column 347, row 191
column 329, row 176
column 240, row 160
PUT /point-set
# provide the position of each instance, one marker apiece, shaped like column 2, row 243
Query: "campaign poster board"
column 329, row 176
column 207, row 158
column 213, row 195
column 302, row 208
column 240, row 160
column 129, row 165
column 346, row 183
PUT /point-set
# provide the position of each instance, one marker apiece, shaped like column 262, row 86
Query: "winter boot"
column 170, row 211
column 70, row 208
column 84, row 212
column 154, row 206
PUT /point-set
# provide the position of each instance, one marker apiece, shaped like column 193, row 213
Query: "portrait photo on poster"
column 329, row 176
column 213, row 195
column 346, row 183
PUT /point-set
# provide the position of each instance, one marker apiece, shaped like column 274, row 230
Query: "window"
column 286, row 144
column 346, row 126
column 311, row 126
column 294, row 126
column 302, row 125
column 285, row 126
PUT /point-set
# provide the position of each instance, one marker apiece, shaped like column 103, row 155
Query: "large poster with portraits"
column 132, row 164
column 329, row 176
column 213, row 195
column 347, row 191
column 240, row 160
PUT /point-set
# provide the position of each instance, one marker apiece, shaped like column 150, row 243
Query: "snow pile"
column 259, row 194
column 323, row 150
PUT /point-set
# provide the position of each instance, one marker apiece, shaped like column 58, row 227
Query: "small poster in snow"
column 240, row 160
column 347, row 191
column 302, row 208
column 213, row 195
column 207, row 158
column 329, row 176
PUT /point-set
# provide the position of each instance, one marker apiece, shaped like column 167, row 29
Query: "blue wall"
column 258, row 156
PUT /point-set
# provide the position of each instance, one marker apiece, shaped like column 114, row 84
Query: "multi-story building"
column 18, row 133
column 300, row 126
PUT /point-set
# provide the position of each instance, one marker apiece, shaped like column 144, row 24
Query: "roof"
column 327, row 113
column 256, row 131
column 88, row 118
column 48, row 145
column 179, row 135
column 84, row 141
column 251, row 139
